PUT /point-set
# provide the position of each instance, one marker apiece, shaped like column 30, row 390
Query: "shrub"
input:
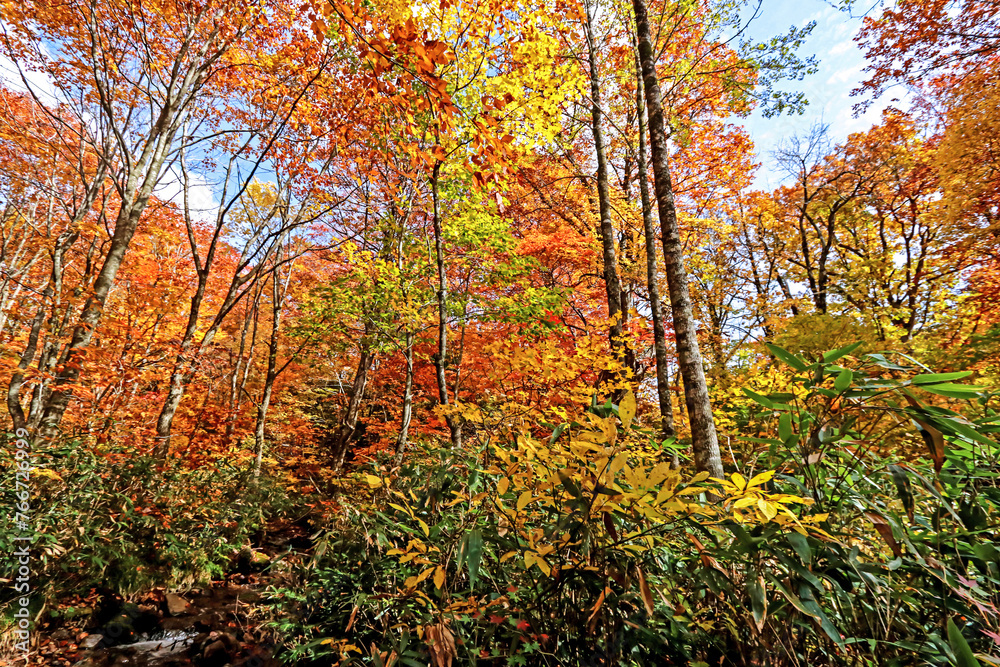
column 848, row 547
column 125, row 521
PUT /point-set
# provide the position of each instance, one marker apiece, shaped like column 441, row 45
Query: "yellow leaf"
column 373, row 481
column 503, row 485
column 700, row 477
column 740, row 481
column 423, row 527
column 45, row 472
column 762, row 478
column 416, row 579
column 767, row 509
column 439, row 577
column 401, row 508
column 610, row 429
column 592, row 436
column 523, row 500
column 543, row 566
column 626, row 409
column 618, row 463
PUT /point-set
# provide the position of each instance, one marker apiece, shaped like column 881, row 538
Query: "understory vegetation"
column 583, row 545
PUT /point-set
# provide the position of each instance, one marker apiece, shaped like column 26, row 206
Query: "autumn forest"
column 464, row 332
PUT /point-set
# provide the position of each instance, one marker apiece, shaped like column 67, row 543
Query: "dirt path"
column 213, row 626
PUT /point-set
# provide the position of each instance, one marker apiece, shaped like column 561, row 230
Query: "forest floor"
column 223, row 624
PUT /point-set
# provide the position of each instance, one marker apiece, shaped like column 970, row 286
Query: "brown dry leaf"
column 647, row 595
column 388, row 659
column 932, row 437
column 442, row 644
column 592, row 622
column 706, row 559
column 350, row 621
column 885, row 530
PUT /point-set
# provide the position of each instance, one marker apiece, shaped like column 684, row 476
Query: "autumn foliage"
column 308, row 239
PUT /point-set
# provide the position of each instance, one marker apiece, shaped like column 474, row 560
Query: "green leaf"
column 567, row 483
column 885, row 363
column 785, row 427
column 963, row 652
column 800, row 543
column 844, row 380
column 763, row 400
column 758, row 600
column 902, row 483
column 809, row 602
column 787, row 357
column 833, row 355
column 952, row 390
column 473, row 555
column 934, row 378
column 965, row 430
column 791, row 597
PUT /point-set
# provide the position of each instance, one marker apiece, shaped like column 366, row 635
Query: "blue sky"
column 829, row 90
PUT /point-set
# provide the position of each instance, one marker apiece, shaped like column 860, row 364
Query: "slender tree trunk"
column 611, row 281
column 241, row 364
column 461, row 349
column 441, row 357
column 703, row 436
column 53, row 291
column 407, row 416
column 277, row 295
column 187, row 358
column 659, row 332
column 17, row 378
column 183, row 369
column 350, row 421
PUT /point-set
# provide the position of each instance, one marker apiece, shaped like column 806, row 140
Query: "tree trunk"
column 350, row 421
column 659, row 332
column 704, row 440
column 17, row 378
column 53, row 290
column 441, row 357
column 407, row 416
column 611, row 281
column 277, row 295
column 243, row 363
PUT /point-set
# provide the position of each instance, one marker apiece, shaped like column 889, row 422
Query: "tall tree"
column 652, row 271
column 704, row 440
column 610, row 267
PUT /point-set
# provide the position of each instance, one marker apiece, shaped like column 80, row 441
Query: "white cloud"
column 843, row 47
column 201, row 195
